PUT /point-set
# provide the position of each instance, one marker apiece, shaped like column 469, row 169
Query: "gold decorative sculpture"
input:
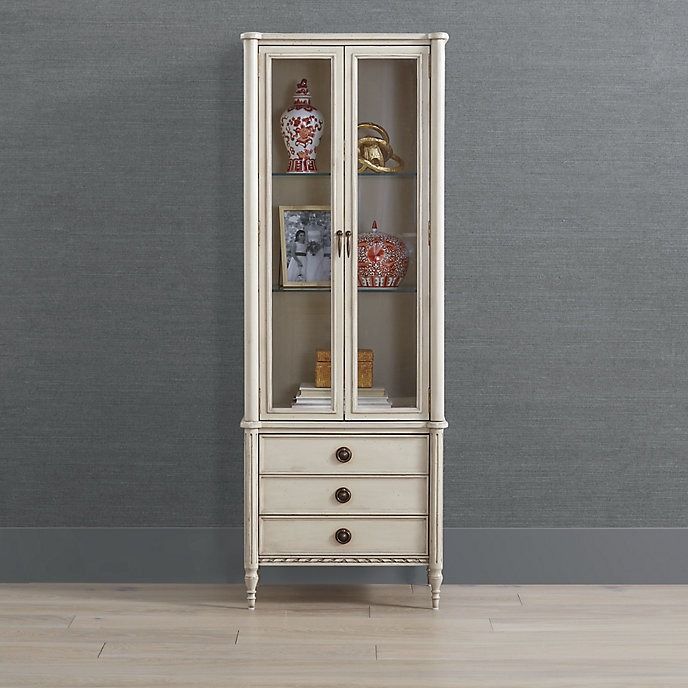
column 374, row 152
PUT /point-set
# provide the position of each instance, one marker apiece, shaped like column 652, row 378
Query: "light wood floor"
column 62, row 636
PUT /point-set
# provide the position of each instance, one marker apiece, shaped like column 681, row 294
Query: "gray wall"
column 120, row 258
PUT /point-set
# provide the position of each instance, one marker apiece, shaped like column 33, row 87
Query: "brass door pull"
column 339, row 242
column 342, row 536
column 348, row 236
column 342, row 495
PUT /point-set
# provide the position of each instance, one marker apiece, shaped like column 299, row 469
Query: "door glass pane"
column 300, row 196
column 388, row 234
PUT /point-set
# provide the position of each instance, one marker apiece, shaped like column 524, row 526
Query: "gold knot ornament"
column 374, row 152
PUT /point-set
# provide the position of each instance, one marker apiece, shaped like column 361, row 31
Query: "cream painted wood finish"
column 291, row 469
column 370, row 454
column 380, row 536
column 202, row 636
column 306, row 495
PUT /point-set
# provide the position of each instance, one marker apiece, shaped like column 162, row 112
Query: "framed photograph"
column 306, row 245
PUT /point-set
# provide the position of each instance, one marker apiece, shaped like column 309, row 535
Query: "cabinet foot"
column 251, row 579
column 435, row 582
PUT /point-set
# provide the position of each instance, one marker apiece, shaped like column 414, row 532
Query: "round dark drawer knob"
column 342, row 536
column 343, row 454
column 342, row 495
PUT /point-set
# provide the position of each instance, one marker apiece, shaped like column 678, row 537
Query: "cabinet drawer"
column 374, row 454
column 304, row 535
column 343, row 495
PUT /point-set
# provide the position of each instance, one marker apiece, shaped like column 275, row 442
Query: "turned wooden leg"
column 251, row 515
column 435, row 582
column 435, row 517
column 251, row 579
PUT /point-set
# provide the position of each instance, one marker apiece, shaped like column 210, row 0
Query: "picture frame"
column 306, row 246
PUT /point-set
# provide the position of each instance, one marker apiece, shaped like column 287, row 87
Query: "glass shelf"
column 387, row 175
column 401, row 290
column 404, row 290
column 302, row 175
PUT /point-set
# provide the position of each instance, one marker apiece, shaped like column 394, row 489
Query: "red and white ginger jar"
column 302, row 127
column 383, row 259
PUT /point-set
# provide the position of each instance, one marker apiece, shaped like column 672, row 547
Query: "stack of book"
column 321, row 397
column 373, row 396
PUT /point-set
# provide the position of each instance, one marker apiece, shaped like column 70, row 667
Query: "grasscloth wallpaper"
column 121, row 258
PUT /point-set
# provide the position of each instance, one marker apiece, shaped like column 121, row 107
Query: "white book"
column 315, row 392
column 312, row 402
column 307, row 390
column 372, row 392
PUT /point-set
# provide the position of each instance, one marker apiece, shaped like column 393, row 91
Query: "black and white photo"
column 306, row 246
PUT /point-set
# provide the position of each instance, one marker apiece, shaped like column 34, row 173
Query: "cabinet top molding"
column 345, row 38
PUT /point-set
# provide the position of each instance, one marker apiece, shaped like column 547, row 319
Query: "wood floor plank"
column 152, row 621
column 655, row 595
column 535, row 651
column 408, row 673
column 31, row 619
column 583, row 624
column 230, row 653
column 42, row 651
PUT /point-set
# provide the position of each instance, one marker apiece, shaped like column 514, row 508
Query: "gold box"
column 323, row 368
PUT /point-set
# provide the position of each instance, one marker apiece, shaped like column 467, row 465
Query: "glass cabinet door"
column 387, row 116
column 301, row 140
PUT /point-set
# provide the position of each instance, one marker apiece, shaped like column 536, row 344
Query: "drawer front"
column 373, row 454
column 312, row 536
column 344, row 495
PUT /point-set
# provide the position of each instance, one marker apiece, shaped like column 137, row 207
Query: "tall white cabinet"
column 347, row 472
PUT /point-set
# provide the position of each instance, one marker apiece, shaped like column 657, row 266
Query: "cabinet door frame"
column 267, row 129
column 423, row 303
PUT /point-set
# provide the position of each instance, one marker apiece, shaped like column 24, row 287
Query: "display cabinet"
column 343, row 275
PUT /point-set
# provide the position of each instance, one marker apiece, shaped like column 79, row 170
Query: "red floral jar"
column 383, row 259
column 302, row 126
